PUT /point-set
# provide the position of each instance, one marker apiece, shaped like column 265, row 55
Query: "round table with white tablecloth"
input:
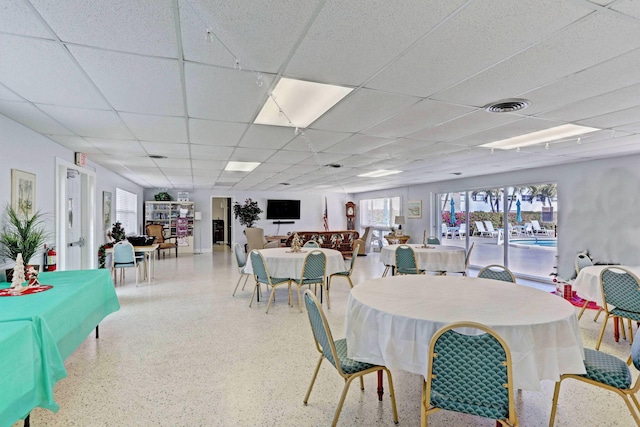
column 431, row 258
column 281, row 262
column 390, row 321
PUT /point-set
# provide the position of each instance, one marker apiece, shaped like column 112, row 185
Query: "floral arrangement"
column 102, row 254
column 248, row 213
column 117, row 232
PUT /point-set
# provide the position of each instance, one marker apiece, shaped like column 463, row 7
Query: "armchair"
column 157, row 231
column 256, row 239
column 364, row 242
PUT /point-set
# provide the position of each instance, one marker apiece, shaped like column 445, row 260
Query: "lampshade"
column 198, row 216
column 399, row 220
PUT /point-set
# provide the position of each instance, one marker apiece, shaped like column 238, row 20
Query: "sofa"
column 340, row 240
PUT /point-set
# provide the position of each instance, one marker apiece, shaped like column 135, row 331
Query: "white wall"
column 21, row 148
column 598, row 206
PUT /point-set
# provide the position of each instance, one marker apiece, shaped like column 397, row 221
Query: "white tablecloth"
column 281, row 262
column 587, row 284
column 390, row 321
column 438, row 258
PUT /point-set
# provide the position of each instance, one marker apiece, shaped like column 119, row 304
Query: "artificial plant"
column 22, row 234
column 248, row 213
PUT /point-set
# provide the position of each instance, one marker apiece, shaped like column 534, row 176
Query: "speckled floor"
column 183, row 351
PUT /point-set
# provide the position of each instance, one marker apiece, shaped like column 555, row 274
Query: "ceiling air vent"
column 334, row 165
column 225, row 184
column 507, row 105
column 156, row 156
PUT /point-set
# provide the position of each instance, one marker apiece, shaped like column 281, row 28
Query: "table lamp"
column 399, row 221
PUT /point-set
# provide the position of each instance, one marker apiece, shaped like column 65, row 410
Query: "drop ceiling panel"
column 208, row 165
column 76, row 143
column 172, row 163
column 223, row 94
column 316, row 140
column 260, row 34
column 334, row 51
column 628, row 7
column 210, row 152
column 32, row 117
column 458, row 49
column 588, row 42
column 362, row 109
column 134, row 83
column 611, row 120
column 42, row 71
column 358, row 144
column 178, row 151
column 262, row 136
column 322, row 159
column 520, row 127
column 209, row 132
column 7, row 95
column 119, row 148
column 251, row 155
column 17, row 18
column 89, row 123
column 173, row 172
column 465, row 125
column 128, row 26
column 156, row 128
column 271, row 167
column 135, row 161
column 287, row 157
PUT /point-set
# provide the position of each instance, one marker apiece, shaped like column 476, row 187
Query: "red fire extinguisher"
column 50, row 259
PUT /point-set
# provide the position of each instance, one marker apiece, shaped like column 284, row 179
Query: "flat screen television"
column 283, row 209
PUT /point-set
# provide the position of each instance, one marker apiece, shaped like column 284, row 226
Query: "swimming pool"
column 545, row 243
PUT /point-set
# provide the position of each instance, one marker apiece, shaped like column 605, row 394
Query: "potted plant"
column 248, row 213
column 23, row 234
column 163, row 196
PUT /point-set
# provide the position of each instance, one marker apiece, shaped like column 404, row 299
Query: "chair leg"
column 634, row 414
column 246, row 277
column 299, row 298
column 350, row 282
column 584, row 307
column 273, row 294
column 630, row 330
column 597, row 314
column 345, row 390
column 238, row 284
column 392, row 396
column 313, row 379
column 361, row 382
column 253, row 294
column 386, row 270
column 604, row 326
column 554, row 405
column 620, row 322
column 328, row 285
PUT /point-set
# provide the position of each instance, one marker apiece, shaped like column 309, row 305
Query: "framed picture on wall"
column 414, row 209
column 106, row 209
column 23, row 192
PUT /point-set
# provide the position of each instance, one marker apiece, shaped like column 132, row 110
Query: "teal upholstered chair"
column 582, row 260
column 620, row 296
column 241, row 261
column 470, row 374
column 123, row 257
column 346, row 274
column 433, row 240
column 311, row 244
column 336, row 353
column 261, row 275
column 406, row 261
column 610, row 373
column 313, row 273
column 497, row 272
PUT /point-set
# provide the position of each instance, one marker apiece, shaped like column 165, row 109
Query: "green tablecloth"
column 39, row 331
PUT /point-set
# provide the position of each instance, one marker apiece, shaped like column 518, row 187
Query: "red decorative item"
column 568, row 295
column 8, row 292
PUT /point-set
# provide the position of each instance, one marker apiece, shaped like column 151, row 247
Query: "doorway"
column 75, row 202
column 221, row 221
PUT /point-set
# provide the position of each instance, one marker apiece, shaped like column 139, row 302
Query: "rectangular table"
column 39, row 331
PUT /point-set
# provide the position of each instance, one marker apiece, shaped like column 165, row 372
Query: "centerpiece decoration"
column 248, row 214
column 296, row 243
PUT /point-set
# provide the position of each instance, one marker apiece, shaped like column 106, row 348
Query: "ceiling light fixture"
column 303, row 101
column 547, row 135
column 379, row 173
column 241, row 166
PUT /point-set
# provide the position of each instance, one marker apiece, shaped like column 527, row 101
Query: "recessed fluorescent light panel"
column 548, row 135
column 302, row 102
column 241, row 166
column 379, row 173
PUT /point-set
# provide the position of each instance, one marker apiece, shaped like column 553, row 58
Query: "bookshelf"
column 169, row 215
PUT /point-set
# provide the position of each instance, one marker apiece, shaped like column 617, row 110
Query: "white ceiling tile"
column 17, row 18
column 210, row 152
column 465, row 125
column 251, row 154
column 289, row 157
column 156, row 128
column 119, row 148
column 134, row 161
column 177, row 172
column 358, row 144
column 208, row 164
column 618, row 118
column 76, row 143
column 261, row 136
column 30, row 116
column 173, row 163
column 334, row 51
column 134, row 83
column 7, row 95
column 322, row 159
column 176, row 151
column 628, row 7
column 207, row 173
column 362, row 109
column 42, row 71
column 508, row 130
column 90, row 123
column 492, row 32
column 271, row 167
column 210, row 90
column 315, row 140
column 142, row 27
column 209, row 132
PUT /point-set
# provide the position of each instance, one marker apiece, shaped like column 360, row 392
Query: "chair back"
column 468, row 257
column 157, row 231
column 463, row 229
column 536, row 225
column 635, row 351
column 489, row 226
column 241, row 259
column 582, row 261
column 497, row 272
column 314, row 267
column 353, row 258
column 311, row 244
column 471, row 373
column 480, row 227
column 406, row 259
column 620, row 289
column 255, row 238
column 123, row 255
column 433, row 240
column 259, row 267
column 321, row 331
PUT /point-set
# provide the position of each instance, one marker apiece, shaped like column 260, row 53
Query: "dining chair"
column 471, row 374
column 466, row 261
column 311, row 244
column 336, row 353
column 346, row 274
column 241, row 262
column 497, row 272
column 314, row 272
column 406, row 262
column 261, row 274
column 123, row 257
column 621, row 298
column 157, row 231
column 610, row 373
column 433, row 240
column 582, row 260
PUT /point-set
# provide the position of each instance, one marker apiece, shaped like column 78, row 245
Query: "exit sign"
column 81, row 159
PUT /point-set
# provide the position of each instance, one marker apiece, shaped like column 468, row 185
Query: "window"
column 381, row 211
column 127, row 210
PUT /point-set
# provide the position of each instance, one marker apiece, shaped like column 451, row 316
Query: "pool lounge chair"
column 492, row 231
column 537, row 229
column 480, row 230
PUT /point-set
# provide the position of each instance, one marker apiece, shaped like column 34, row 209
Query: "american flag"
column 325, row 216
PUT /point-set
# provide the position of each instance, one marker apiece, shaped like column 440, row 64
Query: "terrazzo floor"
column 182, row 351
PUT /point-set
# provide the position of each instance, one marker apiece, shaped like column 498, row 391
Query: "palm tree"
column 514, row 191
column 544, row 192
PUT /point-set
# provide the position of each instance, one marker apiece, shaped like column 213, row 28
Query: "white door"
column 73, row 218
